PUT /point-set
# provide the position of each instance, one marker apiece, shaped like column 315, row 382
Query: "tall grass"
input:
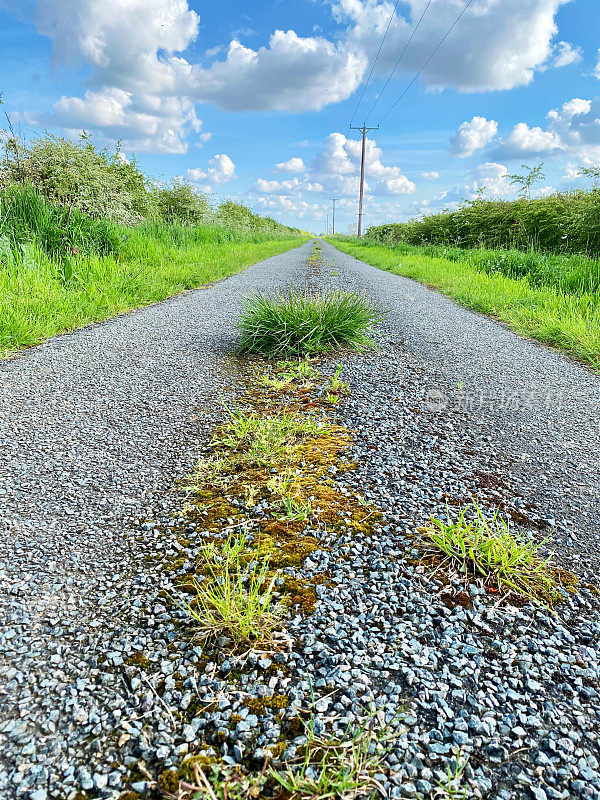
column 563, row 319
column 572, row 274
column 26, row 217
column 43, row 293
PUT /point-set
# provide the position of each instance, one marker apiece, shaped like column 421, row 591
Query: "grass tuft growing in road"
column 234, row 597
column 297, row 324
column 485, row 549
column 331, row 767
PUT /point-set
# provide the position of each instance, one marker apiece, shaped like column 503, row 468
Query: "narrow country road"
column 97, row 426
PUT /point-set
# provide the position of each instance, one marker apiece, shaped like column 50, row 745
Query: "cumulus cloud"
column 572, row 172
column 145, row 122
column 430, row 176
column 292, row 165
column 472, row 136
column 491, row 178
column 142, row 47
column 292, row 73
column 597, row 67
column 577, row 124
column 336, row 167
column 525, row 140
column 221, row 169
column 143, row 86
column 498, row 44
column 338, row 164
column 137, row 45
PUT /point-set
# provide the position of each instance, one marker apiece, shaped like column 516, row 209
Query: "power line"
column 401, row 56
column 362, row 94
column 434, row 51
column 365, row 85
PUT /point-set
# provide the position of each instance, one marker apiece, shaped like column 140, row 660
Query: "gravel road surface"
column 97, row 426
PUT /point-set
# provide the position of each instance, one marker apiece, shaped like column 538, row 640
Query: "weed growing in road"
column 265, row 437
column 332, row 767
column 303, row 323
column 485, row 549
column 234, row 596
column 450, row 788
column 270, row 472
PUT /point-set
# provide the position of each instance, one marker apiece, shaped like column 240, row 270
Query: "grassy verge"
column 570, row 322
column 41, row 296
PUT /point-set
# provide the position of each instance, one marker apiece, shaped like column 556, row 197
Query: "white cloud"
column 399, row 185
column 338, row 166
column 564, row 53
column 492, row 178
column 335, row 168
column 577, row 124
column 145, row 122
column 572, row 172
column 597, row 67
column 136, row 54
column 292, row 165
column 472, row 136
column 575, row 107
column 292, row 73
column 221, row 169
column 121, row 39
column 525, row 140
column 263, row 186
column 430, row 176
column 498, row 44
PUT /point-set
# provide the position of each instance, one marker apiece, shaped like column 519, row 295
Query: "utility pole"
column 364, row 130
column 333, row 199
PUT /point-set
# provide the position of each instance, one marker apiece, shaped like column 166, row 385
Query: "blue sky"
column 253, row 100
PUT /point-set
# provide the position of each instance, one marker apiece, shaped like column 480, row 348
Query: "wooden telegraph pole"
column 364, row 130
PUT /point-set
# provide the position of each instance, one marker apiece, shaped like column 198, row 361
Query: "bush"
column 299, row 324
column 180, row 203
column 99, row 183
column 105, row 185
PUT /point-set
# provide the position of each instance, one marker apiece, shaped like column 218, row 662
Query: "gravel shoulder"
column 101, row 692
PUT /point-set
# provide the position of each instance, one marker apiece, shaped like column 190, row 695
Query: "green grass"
column 299, row 324
column 482, row 548
column 264, row 438
column 337, row 768
column 563, row 319
column 28, row 219
column 41, row 295
column 235, row 598
column 570, row 274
